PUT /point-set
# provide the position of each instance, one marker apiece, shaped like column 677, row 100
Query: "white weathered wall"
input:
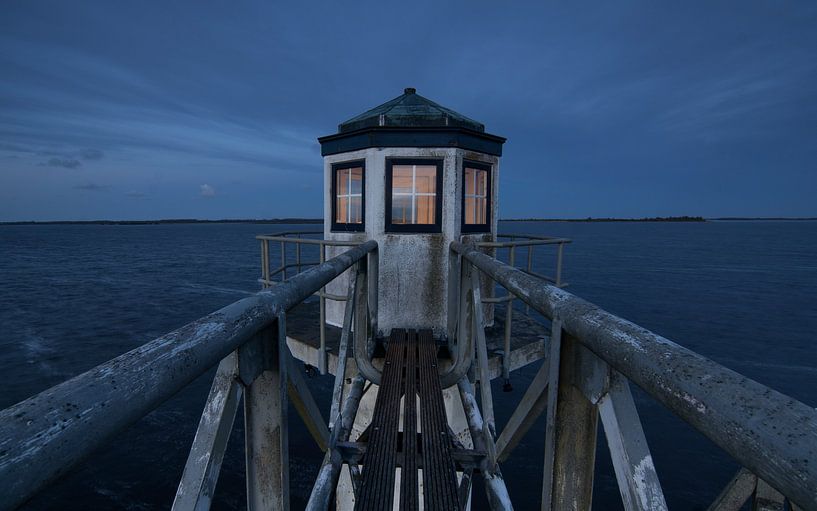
column 413, row 267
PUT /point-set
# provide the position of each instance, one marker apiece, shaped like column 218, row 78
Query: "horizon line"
column 308, row 220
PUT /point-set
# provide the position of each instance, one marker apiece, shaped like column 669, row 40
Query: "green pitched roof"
column 411, row 120
column 410, row 110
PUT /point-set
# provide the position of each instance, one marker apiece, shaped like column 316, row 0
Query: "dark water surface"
column 71, row 297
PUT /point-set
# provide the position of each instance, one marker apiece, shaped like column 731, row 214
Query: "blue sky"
column 139, row 110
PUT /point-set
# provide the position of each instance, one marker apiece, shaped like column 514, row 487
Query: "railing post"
column 322, row 319
column 283, row 261
column 265, row 422
column 298, row 253
column 265, row 263
column 570, row 434
column 530, row 268
column 506, row 354
column 482, row 356
column 465, row 328
column 559, row 265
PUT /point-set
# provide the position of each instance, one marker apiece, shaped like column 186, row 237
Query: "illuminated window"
column 348, row 192
column 476, row 197
column 413, row 198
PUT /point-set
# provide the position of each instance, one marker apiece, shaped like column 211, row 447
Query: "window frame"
column 477, row 228
column 438, row 199
column 345, row 226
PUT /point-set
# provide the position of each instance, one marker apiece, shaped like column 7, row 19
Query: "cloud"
column 91, row 154
column 92, row 187
column 68, row 163
column 207, row 191
column 134, row 194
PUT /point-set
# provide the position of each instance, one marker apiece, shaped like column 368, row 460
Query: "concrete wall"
column 413, row 267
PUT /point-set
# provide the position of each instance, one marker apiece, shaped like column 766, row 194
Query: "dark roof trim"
column 412, row 137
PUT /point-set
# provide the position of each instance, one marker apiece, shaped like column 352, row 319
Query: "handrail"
column 524, row 241
column 529, row 241
column 267, row 273
column 42, row 437
column 284, row 236
column 769, row 433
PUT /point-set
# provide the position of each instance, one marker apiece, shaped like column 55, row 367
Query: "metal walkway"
column 411, row 371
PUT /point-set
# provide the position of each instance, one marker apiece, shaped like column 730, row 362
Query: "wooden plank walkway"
column 410, row 371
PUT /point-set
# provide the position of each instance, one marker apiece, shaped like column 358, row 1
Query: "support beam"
column 736, row 492
column 767, row 498
column 464, row 491
column 532, row 405
column 329, row 472
column 304, row 403
column 498, row 497
column 482, row 356
column 201, row 471
column 743, row 417
column 635, row 472
column 570, row 437
column 343, row 350
column 265, row 419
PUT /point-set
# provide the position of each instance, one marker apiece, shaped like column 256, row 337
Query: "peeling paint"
column 650, row 495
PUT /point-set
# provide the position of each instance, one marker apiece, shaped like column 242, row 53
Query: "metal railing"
column 511, row 243
column 43, row 437
column 300, row 239
column 592, row 355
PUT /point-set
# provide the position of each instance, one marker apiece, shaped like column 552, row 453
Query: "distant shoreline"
column 609, row 219
column 169, row 221
column 320, row 220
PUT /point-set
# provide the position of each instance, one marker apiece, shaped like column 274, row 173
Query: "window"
column 414, row 195
column 348, row 196
column 476, row 197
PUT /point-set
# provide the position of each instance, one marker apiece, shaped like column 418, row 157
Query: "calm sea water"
column 71, row 297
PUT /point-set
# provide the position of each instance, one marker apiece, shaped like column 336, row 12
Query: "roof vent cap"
column 410, row 90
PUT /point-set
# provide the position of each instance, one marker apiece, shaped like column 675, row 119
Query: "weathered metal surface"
column 195, row 491
column 482, row 356
column 439, row 477
column 495, row 489
column 570, row 436
column 377, row 489
column 767, row 498
column 298, row 391
column 632, row 461
column 527, row 344
column 464, row 331
column 343, row 351
column 769, row 433
column 361, row 337
column 464, row 492
column 266, row 427
column 532, row 405
column 409, row 482
column 736, row 492
column 463, row 459
column 327, row 478
column 42, row 437
column 554, row 356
